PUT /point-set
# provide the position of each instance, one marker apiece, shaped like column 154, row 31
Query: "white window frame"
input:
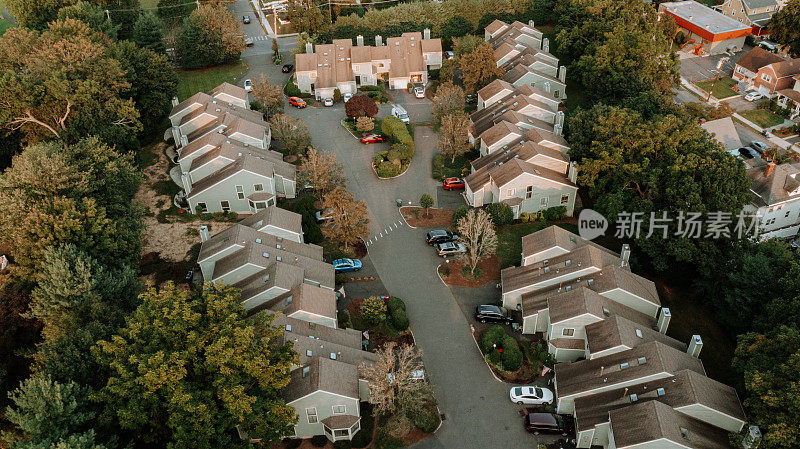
column 311, row 416
column 529, row 193
column 511, row 192
column 240, row 192
column 203, row 207
column 565, row 199
column 342, row 409
column 543, row 201
column 258, row 187
column 225, row 205
column 568, row 332
column 766, row 77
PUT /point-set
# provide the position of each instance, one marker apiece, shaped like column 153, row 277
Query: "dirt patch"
column 416, row 217
column 526, row 374
column 490, row 271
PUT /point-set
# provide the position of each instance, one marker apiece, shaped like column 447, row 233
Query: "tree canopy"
column 784, row 27
column 211, row 36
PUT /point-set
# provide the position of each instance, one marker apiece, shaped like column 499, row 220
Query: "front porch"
column 341, row 427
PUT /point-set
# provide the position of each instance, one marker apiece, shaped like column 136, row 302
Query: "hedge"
column 387, row 169
column 460, row 213
column 501, row 213
column 364, row 436
column 427, row 421
column 395, row 303
column 396, row 130
column 319, row 441
column 554, row 213
column 342, row 444
column 512, row 356
column 492, row 336
column 292, row 90
column 292, row 443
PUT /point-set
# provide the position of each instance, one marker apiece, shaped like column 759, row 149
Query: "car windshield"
column 517, row 391
column 538, row 392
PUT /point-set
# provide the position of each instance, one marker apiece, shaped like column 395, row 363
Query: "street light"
column 720, row 63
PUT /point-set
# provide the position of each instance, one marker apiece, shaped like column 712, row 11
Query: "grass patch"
column 444, row 168
column 509, row 240
column 762, row 118
column 193, row 81
column 723, row 88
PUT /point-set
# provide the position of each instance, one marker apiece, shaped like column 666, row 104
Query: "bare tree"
column 449, row 99
column 268, row 97
column 453, row 137
column 392, row 376
column 321, row 171
column 348, row 217
column 476, row 232
column 291, row 132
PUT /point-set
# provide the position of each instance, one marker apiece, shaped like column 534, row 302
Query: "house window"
column 341, row 433
column 555, row 94
column 311, row 413
column 564, row 199
column 529, row 192
column 271, row 202
column 543, row 201
column 240, row 192
column 306, row 371
column 327, row 430
column 339, row 409
column 202, row 207
column 355, row 428
column 787, row 214
column 261, row 205
column 288, row 300
column 766, row 77
column 258, row 187
column 511, row 192
column 225, row 205
column 309, row 353
column 289, row 327
column 568, row 332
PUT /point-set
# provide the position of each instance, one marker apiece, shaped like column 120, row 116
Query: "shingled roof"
column 323, row 374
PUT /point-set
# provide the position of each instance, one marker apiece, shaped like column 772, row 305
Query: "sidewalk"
column 260, row 15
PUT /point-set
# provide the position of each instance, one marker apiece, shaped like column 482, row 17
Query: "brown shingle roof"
column 196, row 99
column 515, row 278
column 324, row 374
column 495, row 26
column 229, row 89
column 553, row 236
column 788, row 68
column 339, row 422
column 503, row 174
column 317, row 300
column 350, row 338
column 757, row 58
column 494, row 88
column 525, row 151
column 275, row 216
column 772, row 189
column 305, row 62
column 431, row 45
column 498, row 132
column 613, row 277
column 617, row 331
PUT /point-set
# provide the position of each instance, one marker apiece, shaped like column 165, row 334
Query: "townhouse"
column 790, row 98
column 754, row 13
column 340, row 65
column 265, row 257
column 776, row 199
column 748, row 66
column 223, row 156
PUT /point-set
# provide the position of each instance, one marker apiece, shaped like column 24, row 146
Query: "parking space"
column 698, row 68
column 362, row 288
column 449, row 199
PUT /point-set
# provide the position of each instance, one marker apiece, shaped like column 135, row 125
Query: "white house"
column 776, row 199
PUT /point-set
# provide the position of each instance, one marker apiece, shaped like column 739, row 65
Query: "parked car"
column 327, row 101
column 419, row 90
column 346, row 97
column 531, row 395
column 450, row 248
column 248, row 84
column 440, row 236
column 453, row 184
column 287, row 68
column 346, row 265
column 248, row 41
column 551, row 423
column 746, row 153
column 449, row 55
column 769, row 46
column 245, row 19
column 297, row 102
column 400, row 112
column 495, row 314
column 760, row 147
column 372, row 138
column 753, row 96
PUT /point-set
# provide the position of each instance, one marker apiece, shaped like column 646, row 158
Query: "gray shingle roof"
column 323, row 374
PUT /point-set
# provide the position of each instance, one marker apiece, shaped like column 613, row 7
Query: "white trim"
column 651, row 441
column 713, row 410
column 321, row 391
column 237, row 269
column 577, row 316
column 607, row 387
column 233, row 244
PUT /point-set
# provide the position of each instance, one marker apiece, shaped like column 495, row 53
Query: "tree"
column 148, row 32
column 466, row 44
column 291, row 132
column 426, row 202
column 188, row 367
column 784, row 27
column 211, row 36
column 68, row 357
column 50, row 413
column 392, row 376
column 449, row 99
column 770, row 364
column 373, row 309
column 348, row 223
column 60, row 83
column 456, row 26
column 476, row 232
column 360, row 106
column 269, row 97
column 18, row 334
column 479, row 67
column 123, row 13
column 276, row 49
column 92, row 15
column 35, row 14
column 453, row 137
column 321, row 170
column 365, row 124
column 307, row 17
column 174, row 11
column 302, row 39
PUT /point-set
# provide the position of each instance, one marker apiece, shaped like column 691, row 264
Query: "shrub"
column 292, row 443
column 386, row 441
column 319, row 440
column 337, row 95
column 365, row 124
column 493, row 357
column 492, row 336
column 364, row 436
column 343, row 318
column 501, row 213
column 342, row 444
column 395, row 303
column 403, row 151
column 427, row 421
column 370, row 88
column 380, row 157
column 399, row 320
column 512, row 356
column 373, row 309
column 386, row 169
column 445, row 271
column 292, row 90
column 554, row 213
column 459, row 214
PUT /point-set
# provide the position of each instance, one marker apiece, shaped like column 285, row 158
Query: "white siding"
column 546, row 254
column 712, row 417
column 314, row 318
column 634, row 302
column 323, row 402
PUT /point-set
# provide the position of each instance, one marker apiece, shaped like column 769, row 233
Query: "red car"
column 453, row 184
column 372, row 138
column 297, row 101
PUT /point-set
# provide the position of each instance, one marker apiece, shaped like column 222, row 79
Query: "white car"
column 400, row 112
column 347, row 97
column 327, row 101
column 753, row 96
column 248, row 84
column 531, row 395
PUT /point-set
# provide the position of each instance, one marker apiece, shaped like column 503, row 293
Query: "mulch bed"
column 435, row 217
column 377, row 338
column 490, row 271
column 524, row 375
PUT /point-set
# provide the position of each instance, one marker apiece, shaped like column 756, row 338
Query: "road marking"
column 381, row 234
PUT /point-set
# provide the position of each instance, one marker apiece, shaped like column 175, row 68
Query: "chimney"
column 204, row 233
column 562, row 74
column 625, row 393
column 359, row 41
column 695, row 345
column 546, row 86
column 752, row 439
column 378, row 40
column 625, row 254
column 663, row 320
column 770, row 168
column 560, row 118
column 426, row 33
column 546, row 45
column 601, row 370
column 557, row 129
column 187, row 184
column 175, row 101
column 572, row 172
column 309, row 47
column 184, row 140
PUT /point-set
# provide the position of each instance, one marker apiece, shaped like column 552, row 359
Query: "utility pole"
column 721, row 62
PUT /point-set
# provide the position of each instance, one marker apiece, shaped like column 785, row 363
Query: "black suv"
column 495, row 314
column 440, row 236
column 537, row 423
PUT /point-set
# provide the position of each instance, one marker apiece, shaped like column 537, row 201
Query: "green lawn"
column 193, row 81
column 509, row 240
column 443, row 168
column 723, row 88
column 148, row 4
column 762, row 117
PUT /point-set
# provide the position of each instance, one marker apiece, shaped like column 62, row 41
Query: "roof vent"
column 266, row 255
column 639, row 333
column 634, row 397
column 661, row 392
column 642, row 360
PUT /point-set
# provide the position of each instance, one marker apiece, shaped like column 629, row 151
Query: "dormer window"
column 624, row 365
column 309, row 353
column 639, row 333
column 634, row 397
column 661, row 392
column 288, row 328
column 642, row 360
column 568, row 262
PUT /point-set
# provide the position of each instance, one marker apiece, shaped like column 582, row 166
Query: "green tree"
column 35, row 14
column 770, row 364
column 449, row 99
column 456, row 26
column 68, row 357
column 18, row 334
column 148, row 32
column 373, row 309
column 466, row 45
column 51, row 414
column 307, row 17
column 123, row 13
column 426, row 202
column 784, row 27
column 479, row 67
column 92, row 15
column 188, row 367
column 211, row 36
column 174, row 11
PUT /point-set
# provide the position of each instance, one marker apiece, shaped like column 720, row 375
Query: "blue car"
column 345, row 265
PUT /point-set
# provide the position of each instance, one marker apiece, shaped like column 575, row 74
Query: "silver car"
column 450, row 249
